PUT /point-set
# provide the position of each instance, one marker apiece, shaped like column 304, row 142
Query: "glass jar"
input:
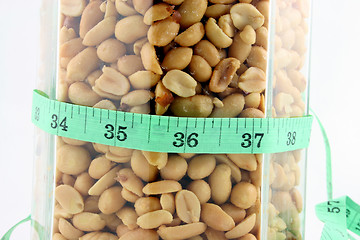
column 184, row 58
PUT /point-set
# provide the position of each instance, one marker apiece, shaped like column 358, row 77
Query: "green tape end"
column 41, row 93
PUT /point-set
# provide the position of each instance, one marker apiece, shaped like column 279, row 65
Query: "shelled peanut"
column 147, row 195
column 186, row 58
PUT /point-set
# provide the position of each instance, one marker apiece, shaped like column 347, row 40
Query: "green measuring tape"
column 37, row 226
column 339, row 214
column 170, row 134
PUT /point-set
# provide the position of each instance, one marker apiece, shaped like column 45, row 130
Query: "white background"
column 335, row 84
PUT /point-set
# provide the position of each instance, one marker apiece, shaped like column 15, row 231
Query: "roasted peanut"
column 99, row 167
column 248, row 35
column 160, row 187
column 238, row 214
column 70, row 48
column 167, row 202
column 252, row 80
column 244, row 14
column 144, row 79
column 149, row 58
column 191, row 12
column 181, row 232
column 66, row 34
column 239, row 49
column 212, row 234
column 216, row 35
column 147, row 204
column 112, row 82
column 80, row 93
column 104, row 182
column 242, row 228
column 72, row 8
column 201, row 166
column 217, row 10
column 129, row 196
column 98, row 235
column 233, row 105
column 200, row 68
column 134, row 22
column 158, row 12
column 235, row 171
column 179, row 83
column 110, row 50
column 264, row 8
column 261, row 37
column 58, row 236
column 72, row 159
column 216, row 218
column 124, row 8
column 86, row 221
column 142, row 6
column 187, row 206
column 191, row 36
column 91, row 204
column 140, row 233
column 177, row 58
column 68, row 180
column 129, row 64
column 257, row 58
column 91, row 16
column 130, row 181
column 111, row 201
column 195, row 106
column 156, row 159
column 136, row 97
column 68, row 230
column 252, row 100
column 83, row 183
column 243, row 195
column 122, row 229
column 142, row 168
column 175, row 168
column 223, row 73
column 154, row 219
column 128, row 216
column 201, row 189
column 252, row 113
column 208, row 51
column 244, row 161
column 163, row 32
column 220, row 183
column 101, row 31
column 163, row 98
column 82, row 64
column 69, row 199
column 226, row 25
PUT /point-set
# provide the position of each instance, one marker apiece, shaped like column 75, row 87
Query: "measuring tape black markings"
column 170, row 134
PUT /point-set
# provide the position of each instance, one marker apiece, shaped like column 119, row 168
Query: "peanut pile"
column 186, row 58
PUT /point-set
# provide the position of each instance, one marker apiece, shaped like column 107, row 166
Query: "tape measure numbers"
column 170, row 134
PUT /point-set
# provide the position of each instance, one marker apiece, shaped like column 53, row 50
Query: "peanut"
column 187, row 206
column 216, row 218
column 179, row 83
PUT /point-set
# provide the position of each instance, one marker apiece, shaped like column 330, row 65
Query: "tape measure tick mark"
column 149, row 129
column 168, row 125
column 85, row 120
column 132, row 121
